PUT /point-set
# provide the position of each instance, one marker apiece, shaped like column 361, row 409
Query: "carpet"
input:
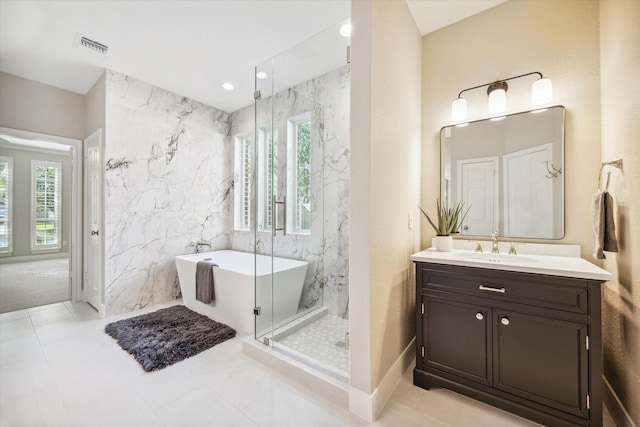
column 160, row 339
column 34, row 283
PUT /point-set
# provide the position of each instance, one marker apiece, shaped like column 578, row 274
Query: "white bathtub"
column 234, row 286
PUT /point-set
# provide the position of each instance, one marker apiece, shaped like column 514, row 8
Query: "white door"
column 528, row 193
column 478, row 188
column 93, row 233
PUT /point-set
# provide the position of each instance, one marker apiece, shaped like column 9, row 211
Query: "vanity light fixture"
column 261, row 75
column 541, row 93
column 227, row 86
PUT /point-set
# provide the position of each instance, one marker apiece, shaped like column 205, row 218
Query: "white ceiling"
column 189, row 47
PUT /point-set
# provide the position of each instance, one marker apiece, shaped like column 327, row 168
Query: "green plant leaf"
column 449, row 218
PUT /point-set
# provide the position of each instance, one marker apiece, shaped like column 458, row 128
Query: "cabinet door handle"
column 479, row 316
column 505, row 321
column 491, row 289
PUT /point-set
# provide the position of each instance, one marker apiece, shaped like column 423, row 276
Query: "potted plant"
column 449, row 221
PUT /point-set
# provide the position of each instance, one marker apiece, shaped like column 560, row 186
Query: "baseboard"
column 618, row 412
column 101, row 310
column 368, row 406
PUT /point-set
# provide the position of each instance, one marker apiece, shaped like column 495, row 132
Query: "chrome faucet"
column 494, row 243
column 512, row 249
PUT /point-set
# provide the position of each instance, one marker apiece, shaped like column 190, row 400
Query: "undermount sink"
column 500, row 258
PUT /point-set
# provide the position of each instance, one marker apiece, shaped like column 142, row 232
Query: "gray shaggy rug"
column 167, row 336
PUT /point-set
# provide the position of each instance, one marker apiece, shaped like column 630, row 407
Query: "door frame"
column 495, row 161
column 98, row 133
column 506, row 182
column 76, row 250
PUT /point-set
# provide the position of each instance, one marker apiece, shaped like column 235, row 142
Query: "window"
column 46, row 187
column 6, row 205
column 299, row 173
column 243, row 183
column 268, row 177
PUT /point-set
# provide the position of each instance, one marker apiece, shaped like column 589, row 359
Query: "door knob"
column 479, row 316
column 505, row 321
column 465, row 228
column 94, row 233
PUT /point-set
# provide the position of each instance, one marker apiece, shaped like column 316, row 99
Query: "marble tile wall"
column 326, row 248
column 168, row 185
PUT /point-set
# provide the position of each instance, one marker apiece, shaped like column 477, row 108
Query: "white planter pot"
column 444, row 243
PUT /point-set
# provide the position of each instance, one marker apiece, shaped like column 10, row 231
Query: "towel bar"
column 616, row 163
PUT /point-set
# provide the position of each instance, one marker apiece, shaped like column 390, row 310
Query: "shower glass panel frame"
column 301, row 108
column 282, row 222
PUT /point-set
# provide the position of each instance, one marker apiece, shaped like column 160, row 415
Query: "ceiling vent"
column 92, row 45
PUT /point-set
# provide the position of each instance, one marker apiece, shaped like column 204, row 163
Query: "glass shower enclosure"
column 300, row 201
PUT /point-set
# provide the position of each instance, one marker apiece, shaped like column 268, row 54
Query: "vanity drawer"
column 553, row 292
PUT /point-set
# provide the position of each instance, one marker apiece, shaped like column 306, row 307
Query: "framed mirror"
column 509, row 171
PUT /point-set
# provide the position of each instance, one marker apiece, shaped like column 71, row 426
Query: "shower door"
column 300, row 201
column 288, row 201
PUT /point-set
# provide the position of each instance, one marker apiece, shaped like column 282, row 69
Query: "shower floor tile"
column 323, row 340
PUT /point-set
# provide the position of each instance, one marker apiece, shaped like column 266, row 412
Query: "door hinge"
column 256, row 311
column 257, row 95
column 586, row 342
column 422, row 308
column 588, row 402
column 422, row 351
column 349, row 54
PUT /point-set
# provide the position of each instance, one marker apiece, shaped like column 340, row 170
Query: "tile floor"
column 323, row 341
column 58, row 368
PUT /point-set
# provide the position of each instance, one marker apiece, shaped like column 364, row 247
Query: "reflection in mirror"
column 509, row 172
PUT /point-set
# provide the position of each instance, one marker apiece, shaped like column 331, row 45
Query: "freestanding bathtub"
column 234, row 286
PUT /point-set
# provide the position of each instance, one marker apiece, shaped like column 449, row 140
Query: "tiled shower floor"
column 322, row 340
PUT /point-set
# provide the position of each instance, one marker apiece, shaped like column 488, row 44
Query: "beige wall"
column 36, row 107
column 360, row 198
column 591, row 51
column 559, row 39
column 95, row 104
column 620, row 68
column 385, row 186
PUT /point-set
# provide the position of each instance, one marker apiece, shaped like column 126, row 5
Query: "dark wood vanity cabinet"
column 526, row 343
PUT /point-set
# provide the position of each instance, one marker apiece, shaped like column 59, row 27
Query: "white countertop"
column 566, row 266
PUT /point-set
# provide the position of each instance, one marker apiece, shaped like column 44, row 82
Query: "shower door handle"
column 274, row 226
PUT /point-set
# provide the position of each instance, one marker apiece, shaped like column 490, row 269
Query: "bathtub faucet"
column 198, row 245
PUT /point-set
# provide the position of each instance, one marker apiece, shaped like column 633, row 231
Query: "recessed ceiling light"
column 260, row 75
column 227, row 86
column 345, row 30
